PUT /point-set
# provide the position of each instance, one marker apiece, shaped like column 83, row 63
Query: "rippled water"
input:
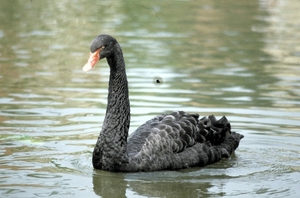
column 239, row 59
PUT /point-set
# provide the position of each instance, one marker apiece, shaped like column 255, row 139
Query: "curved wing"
column 177, row 131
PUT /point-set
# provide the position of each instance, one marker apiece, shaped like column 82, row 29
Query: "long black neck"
column 118, row 107
column 110, row 149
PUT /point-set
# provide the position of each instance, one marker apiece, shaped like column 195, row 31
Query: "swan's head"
column 101, row 47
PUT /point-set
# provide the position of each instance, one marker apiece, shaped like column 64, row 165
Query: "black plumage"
column 167, row 142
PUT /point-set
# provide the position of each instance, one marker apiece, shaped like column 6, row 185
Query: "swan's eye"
column 102, row 47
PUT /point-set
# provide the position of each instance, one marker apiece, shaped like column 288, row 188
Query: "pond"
column 239, row 59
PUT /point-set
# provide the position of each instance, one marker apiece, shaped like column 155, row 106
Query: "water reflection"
column 194, row 182
column 159, row 184
column 109, row 185
column 235, row 58
column 286, row 53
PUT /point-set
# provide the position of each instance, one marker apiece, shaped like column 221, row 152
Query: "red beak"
column 93, row 59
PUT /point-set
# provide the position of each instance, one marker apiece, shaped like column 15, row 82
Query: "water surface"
column 239, row 59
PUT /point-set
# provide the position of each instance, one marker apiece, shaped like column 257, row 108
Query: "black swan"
column 170, row 141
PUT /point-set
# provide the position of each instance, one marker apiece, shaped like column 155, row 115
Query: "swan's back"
column 179, row 140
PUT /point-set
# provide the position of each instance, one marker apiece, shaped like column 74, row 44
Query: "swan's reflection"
column 107, row 184
column 155, row 184
column 208, row 181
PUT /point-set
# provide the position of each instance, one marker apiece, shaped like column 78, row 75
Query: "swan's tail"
column 230, row 144
column 218, row 133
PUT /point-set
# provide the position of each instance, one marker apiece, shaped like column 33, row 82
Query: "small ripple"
column 37, row 33
column 44, row 176
column 21, row 64
column 58, row 47
column 234, row 99
column 235, row 89
column 235, row 71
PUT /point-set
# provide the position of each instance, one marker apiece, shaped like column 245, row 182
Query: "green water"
column 239, row 59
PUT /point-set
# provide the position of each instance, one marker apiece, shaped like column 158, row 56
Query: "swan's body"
column 167, row 142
